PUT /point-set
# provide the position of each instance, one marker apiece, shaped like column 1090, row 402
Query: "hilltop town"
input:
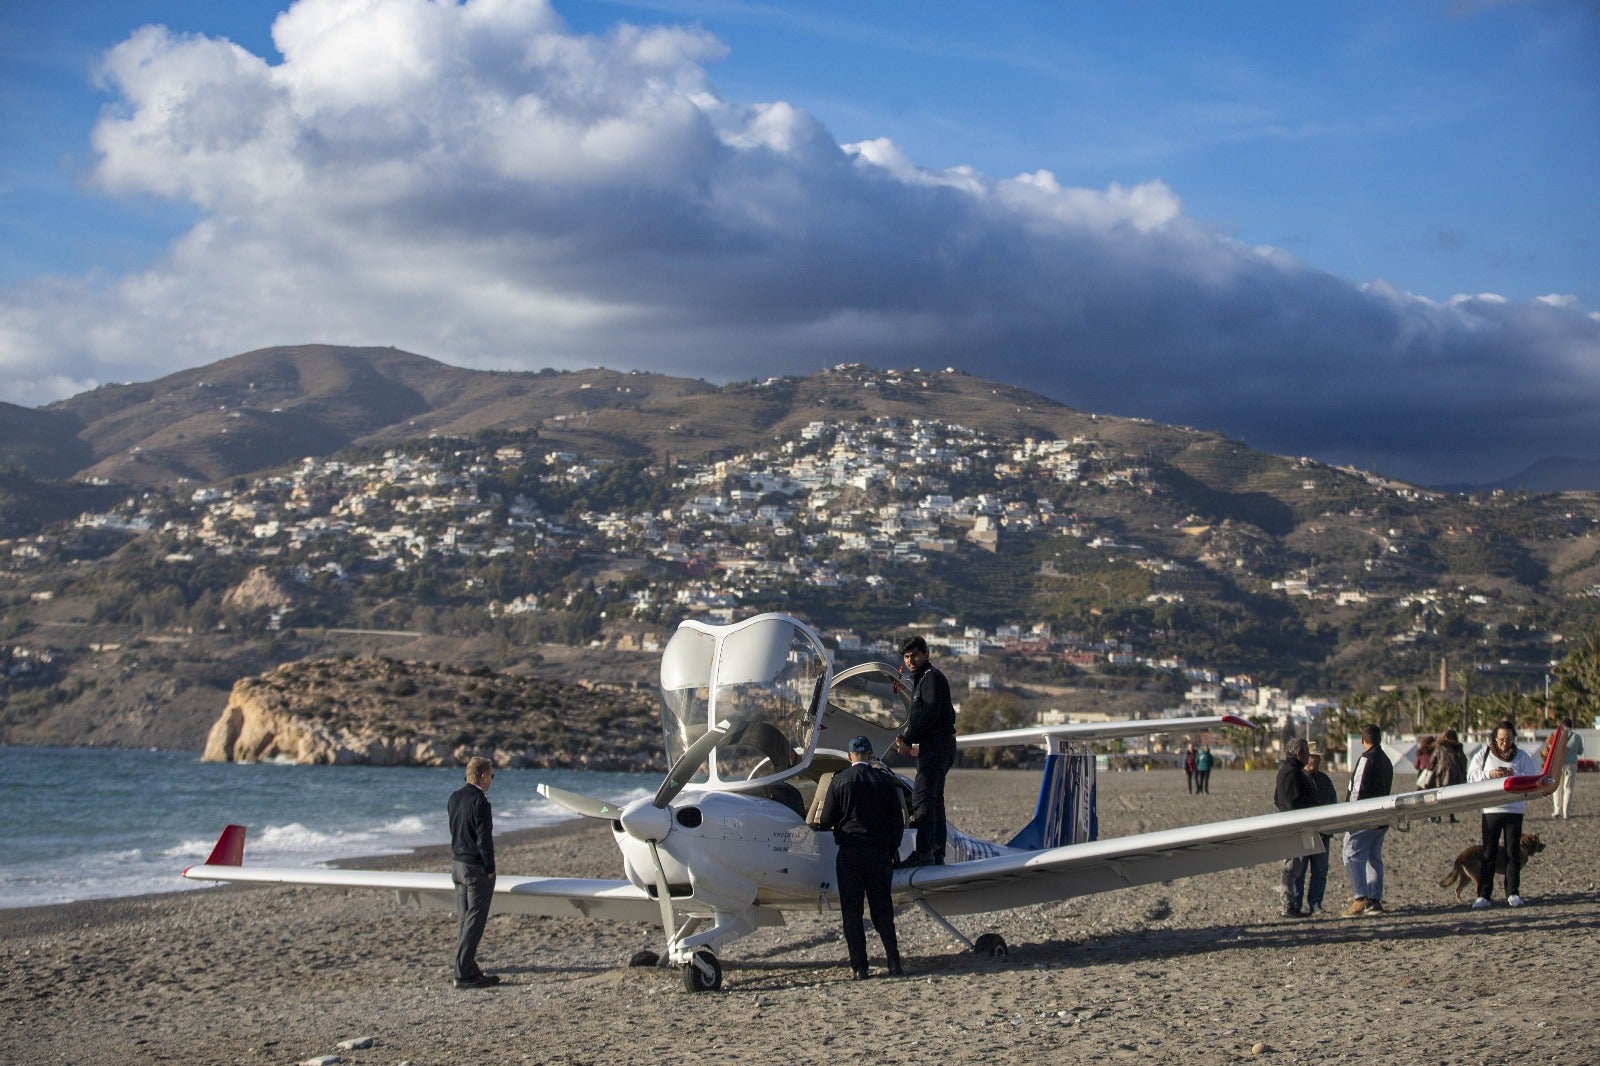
column 1073, row 573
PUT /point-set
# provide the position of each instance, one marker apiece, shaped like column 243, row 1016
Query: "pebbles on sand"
column 1202, row 968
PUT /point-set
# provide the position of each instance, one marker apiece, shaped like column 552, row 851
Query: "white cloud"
column 476, row 183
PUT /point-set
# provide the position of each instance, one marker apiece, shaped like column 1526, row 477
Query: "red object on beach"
column 1552, row 765
column 229, row 850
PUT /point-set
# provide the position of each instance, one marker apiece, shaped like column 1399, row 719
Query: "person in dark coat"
column 1449, row 764
column 1293, row 791
column 930, row 736
column 1372, row 775
column 865, row 812
column 472, row 869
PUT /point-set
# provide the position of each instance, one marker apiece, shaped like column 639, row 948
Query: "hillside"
column 369, row 501
column 43, row 444
column 264, row 408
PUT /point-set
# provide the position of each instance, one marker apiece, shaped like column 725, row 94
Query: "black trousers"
column 1496, row 826
column 934, row 760
column 864, row 874
column 474, row 890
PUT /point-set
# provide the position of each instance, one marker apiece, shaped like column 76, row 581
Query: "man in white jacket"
column 1501, row 758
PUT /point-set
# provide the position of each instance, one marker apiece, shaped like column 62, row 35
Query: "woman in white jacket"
column 1501, row 758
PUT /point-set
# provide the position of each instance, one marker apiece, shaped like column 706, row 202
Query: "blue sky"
column 1365, row 232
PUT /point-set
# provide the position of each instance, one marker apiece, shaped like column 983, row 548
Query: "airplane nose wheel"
column 702, row 973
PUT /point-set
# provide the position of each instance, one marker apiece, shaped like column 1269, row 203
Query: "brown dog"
column 1469, row 864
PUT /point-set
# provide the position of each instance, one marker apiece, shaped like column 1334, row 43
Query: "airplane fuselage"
column 778, row 858
column 730, row 850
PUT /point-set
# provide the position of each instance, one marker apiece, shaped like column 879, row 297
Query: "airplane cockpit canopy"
column 867, row 700
column 763, row 675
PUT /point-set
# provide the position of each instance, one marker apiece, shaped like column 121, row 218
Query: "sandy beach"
column 1203, row 968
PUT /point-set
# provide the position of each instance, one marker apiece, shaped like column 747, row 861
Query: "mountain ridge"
column 257, row 410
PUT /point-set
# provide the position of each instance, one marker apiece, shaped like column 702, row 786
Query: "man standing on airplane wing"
column 931, row 731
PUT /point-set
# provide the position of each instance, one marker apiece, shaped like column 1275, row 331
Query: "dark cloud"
column 500, row 192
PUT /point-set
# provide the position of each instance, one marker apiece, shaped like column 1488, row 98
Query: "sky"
column 1364, row 232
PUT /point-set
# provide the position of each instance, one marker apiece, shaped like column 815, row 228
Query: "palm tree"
column 1352, row 711
column 1388, row 711
column 1440, row 713
column 1509, row 705
column 1576, row 692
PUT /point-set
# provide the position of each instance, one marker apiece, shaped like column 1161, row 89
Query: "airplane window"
column 685, row 691
column 766, row 677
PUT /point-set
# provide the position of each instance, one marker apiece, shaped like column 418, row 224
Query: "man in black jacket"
column 1294, row 790
column 863, row 808
column 472, row 871
column 930, row 736
column 1371, row 775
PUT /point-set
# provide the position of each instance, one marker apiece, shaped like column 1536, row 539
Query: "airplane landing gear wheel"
column 703, row 973
column 644, row 958
column 990, row 946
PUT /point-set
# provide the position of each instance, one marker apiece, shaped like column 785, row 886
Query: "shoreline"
column 427, row 856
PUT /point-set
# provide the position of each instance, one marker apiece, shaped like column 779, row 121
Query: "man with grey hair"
column 1294, row 790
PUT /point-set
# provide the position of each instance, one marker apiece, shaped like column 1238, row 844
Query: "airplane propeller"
column 649, row 821
column 578, row 803
column 687, row 765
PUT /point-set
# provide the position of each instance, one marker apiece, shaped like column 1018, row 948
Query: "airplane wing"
column 1021, row 878
column 568, row 897
column 1090, row 731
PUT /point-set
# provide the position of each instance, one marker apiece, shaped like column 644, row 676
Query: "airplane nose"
column 643, row 820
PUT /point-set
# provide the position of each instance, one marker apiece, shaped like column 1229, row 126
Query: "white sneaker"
column 1515, row 901
column 1480, row 904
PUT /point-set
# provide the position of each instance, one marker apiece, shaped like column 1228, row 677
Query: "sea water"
column 87, row 823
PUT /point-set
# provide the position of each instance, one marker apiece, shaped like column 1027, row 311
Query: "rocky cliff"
column 386, row 712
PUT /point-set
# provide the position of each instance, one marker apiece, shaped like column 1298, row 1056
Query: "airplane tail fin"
column 229, row 849
column 1557, row 753
column 1065, row 813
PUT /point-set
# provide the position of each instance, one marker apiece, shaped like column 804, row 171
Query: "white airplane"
column 756, row 724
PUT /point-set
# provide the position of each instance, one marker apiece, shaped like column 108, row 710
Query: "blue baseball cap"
column 861, row 745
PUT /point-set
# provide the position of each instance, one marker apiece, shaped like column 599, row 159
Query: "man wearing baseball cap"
column 864, row 810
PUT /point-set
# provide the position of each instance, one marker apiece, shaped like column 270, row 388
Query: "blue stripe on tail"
column 1066, row 811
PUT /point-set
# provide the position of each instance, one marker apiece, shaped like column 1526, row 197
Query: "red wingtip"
column 1243, row 723
column 1552, row 765
column 229, row 850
